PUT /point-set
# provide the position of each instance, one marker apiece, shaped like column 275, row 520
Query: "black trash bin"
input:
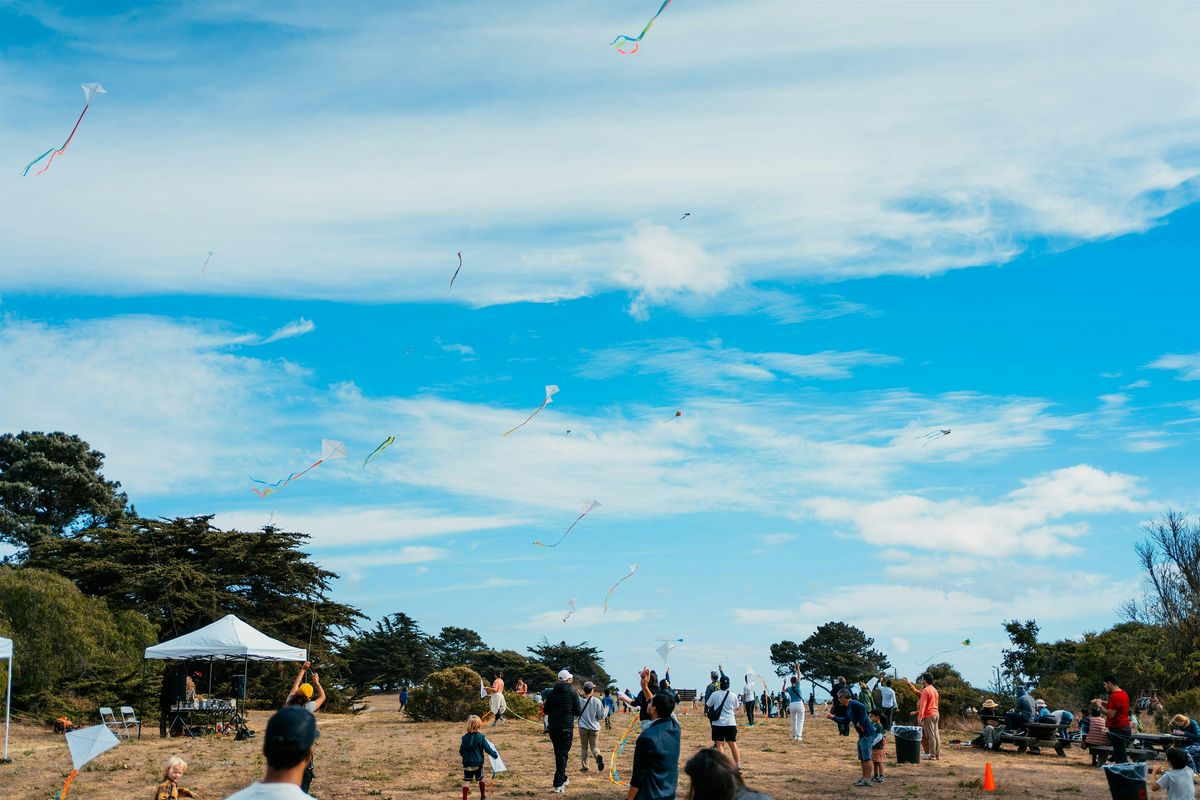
column 908, row 744
column 1126, row 781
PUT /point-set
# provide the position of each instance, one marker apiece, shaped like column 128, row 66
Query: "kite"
column 482, row 690
column 664, row 649
column 90, row 90
column 210, row 255
column 661, row 9
column 331, row 450
column 929, row 437
column 963, row 645
column 455, row 275
column 586, row 510
column 571, row 606
column 633, row 568
column 550, row 392
column 85, row 744
column 677, row 415
column 686, row 214
column 385, row 445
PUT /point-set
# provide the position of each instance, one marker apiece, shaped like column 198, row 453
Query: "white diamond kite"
column 571, row 606
column 551, row 390
column 90, row 90
column 664, row 649
column 85, row 744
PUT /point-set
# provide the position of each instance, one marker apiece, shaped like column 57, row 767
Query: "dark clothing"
column 1191, row 734
column 562, row 704
column 843, row 727
column 561, row 738
column 308, row 778
column 885, row 716
column 472, row 748
column 656, row 761
column 1119, row 739
column 642, row 704
column 855, row 713
column 1015, row 721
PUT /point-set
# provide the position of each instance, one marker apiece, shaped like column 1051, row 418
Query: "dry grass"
column 375, row 754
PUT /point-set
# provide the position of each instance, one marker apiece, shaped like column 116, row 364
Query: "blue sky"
column 904, row 217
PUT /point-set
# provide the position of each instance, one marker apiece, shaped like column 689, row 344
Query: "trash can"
column 908, row 744
column 1126, row 781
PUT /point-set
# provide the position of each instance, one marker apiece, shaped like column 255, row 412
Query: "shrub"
column 448, row 695
column 1185, row 702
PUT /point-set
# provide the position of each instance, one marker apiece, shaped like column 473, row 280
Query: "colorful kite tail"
column 63, row 149
column 613, row 775
column 39, row 158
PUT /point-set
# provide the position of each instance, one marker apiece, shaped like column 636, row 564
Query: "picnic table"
column 1159, row 741
column 1036, row 736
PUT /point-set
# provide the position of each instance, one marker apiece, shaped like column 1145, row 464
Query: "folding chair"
column 110, row 719
column 129, row 719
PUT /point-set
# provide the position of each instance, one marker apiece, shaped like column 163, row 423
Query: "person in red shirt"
column 1117, row 712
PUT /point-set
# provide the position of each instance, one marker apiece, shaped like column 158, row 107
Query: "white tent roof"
column 230, row 639
column 5, row 647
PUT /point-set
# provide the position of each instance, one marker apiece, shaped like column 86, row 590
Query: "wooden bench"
column 1134, row 753
column 686, row 695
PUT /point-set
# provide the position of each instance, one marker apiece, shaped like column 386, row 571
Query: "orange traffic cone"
column 989, row 782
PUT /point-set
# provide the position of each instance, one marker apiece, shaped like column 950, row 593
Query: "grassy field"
column 376, row 754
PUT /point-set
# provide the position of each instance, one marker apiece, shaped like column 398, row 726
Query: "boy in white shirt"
column 1179, row 780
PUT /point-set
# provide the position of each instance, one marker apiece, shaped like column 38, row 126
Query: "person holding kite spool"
column 302, row 695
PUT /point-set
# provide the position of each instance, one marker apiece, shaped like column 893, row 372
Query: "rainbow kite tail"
column 39, row 158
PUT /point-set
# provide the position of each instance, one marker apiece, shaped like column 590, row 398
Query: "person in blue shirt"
column 854, row 714
column 610, row 708
column 655, row 772
column 403, row 699
column 472, row 747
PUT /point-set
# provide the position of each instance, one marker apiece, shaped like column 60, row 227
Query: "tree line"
column 92, row 583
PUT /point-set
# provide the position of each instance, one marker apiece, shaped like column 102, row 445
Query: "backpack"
column 714, row 712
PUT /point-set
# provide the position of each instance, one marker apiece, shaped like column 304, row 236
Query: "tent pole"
column 210, row 663
column 7, row 710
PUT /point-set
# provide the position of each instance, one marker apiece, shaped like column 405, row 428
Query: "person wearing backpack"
column 721, row 708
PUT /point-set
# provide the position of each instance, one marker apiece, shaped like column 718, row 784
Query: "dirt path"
column 378, row 755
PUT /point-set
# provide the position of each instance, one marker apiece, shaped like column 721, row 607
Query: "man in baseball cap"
column 287, row 744
column 561, row 706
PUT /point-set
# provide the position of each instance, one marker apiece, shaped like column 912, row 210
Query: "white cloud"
column 461, row 349
column 712, row 363
column 357, row 563
column 899, row 644
column 1186, row 364
column 345, row 527
column 772, row 144
column 291, row 330
column 1024, row 521
column 584, row 617
column 1139, row 384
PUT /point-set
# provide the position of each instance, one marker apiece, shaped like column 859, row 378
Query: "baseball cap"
column 713, row 674
column 306, row 689
column 291, row 725
column 588, row 686
column 563, row 675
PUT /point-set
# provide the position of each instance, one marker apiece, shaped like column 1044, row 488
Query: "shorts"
column 864, row 747
column 473, row 774
column 724, row 733
column 877, row 753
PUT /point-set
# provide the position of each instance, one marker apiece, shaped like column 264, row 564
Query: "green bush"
column 69, row 646
column 448, row 695
column 1185, row 702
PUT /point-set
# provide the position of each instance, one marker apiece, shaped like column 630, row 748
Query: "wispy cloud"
column 785, row 193
column 291, row 330
column 711, row 363
column 461, row 349
column 1186, row 364
column 1027, row 520
column 584, row 617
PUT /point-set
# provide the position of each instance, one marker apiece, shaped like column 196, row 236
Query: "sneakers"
column 861, row 782
column 600, row 763
column 877, row 779
column 926, row 757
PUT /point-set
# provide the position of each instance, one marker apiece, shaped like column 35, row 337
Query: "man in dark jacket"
column 656, row 754
column 561, row 705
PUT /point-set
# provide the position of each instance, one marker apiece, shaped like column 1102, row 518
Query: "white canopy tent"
column 227, row 639
column 6, row 649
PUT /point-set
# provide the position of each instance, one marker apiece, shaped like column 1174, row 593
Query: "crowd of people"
column 715, row 772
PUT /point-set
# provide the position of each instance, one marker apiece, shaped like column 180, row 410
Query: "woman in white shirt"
column 723, row 705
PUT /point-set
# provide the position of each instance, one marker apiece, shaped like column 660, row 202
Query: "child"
column 474, row 745
column 1179, row 780
column 1097, row 735
column 877, row 748
column 170, row 789
column 610, row 708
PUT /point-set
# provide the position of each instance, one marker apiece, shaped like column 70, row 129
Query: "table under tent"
column 228, row 640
